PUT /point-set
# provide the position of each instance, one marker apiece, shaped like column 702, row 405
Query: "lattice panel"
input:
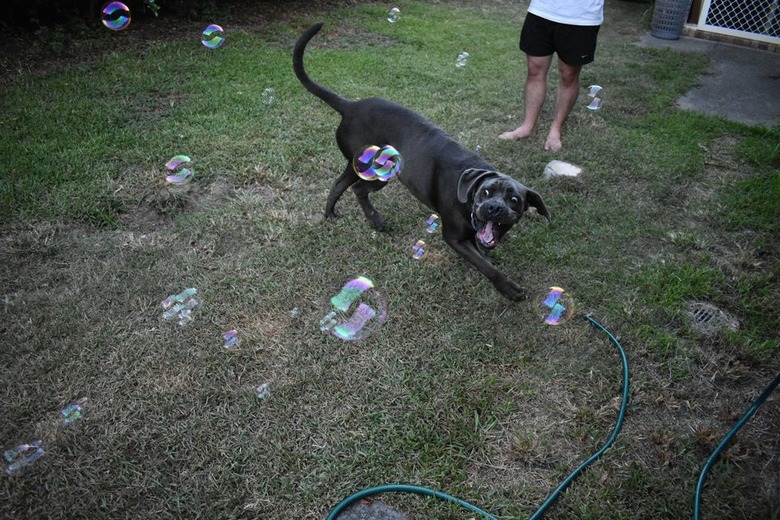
column 752, row 16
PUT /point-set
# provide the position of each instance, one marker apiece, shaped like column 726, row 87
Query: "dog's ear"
column 535, row 200
column 469, row 180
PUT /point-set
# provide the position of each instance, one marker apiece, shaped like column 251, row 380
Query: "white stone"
column 561, row 169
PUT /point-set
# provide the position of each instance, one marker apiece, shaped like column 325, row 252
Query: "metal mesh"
column 752, row 16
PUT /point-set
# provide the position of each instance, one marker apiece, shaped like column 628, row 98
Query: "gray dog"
column 477, row 204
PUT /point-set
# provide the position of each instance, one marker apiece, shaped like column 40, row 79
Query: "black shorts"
column 575, row 44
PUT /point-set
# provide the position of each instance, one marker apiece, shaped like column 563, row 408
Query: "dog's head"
column 497, row 203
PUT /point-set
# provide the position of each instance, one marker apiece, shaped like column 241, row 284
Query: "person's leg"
column 565, row 97
column 535, row 92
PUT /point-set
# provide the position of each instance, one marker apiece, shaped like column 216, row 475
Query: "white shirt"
column 571, row 12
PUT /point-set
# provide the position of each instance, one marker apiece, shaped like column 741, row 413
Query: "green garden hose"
column 405, row 488
column 748, row 414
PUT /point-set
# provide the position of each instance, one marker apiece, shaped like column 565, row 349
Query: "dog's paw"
column 377, row 222
column 511, row 290
column 332, row 215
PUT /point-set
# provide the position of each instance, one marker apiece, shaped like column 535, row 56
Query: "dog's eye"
column 487, row 193
column 514, row 200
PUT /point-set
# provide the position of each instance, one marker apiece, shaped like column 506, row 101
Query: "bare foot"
column 518, row 133
column 553, row 143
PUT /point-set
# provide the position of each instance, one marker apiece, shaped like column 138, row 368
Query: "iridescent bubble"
column 231, row 338
column 153, row 7
column 180, row 168
column 595, row 102
column 433, row 223
column 23, row 455
column 180, row 306
column 268, row 96
column 463, row 60
column 116, row 16
column 374, row 163
column 71, row 413
column 213, row 36
column 263, row 390
column 393, row 15
column 358, row 311
column 419, row 250
column 556, row 306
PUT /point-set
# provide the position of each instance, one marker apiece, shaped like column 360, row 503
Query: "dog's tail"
column 338, row 103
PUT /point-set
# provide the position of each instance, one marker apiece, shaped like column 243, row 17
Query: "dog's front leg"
column 345, row 180
column 468, row 250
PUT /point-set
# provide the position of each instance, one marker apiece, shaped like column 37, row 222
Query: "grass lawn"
column 460, row 390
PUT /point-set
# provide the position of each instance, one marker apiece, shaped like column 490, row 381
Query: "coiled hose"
column 406, row 488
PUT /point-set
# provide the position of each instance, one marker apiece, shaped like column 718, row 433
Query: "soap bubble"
column 116, row 16
column 393, row 15
column 358, row 311
column 419, row 250
column 263, row 390
column 595, row 102
column 433, row 223
column 23, row 455
column 556, row 306
column 268, row 96
column 231, row 338
column 374, row 163
column 180, row 306
column 71, row 413
column 463, row 60
column 213, row 36
column 180, row 168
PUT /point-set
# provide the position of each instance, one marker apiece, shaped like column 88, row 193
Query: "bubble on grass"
column 419, row 250
column 393, row 15
column 71, row 413
column 357, row 311
column 433, row 223
column 268, row 96
column 179, row 306
column 213, row 36
column 462, row 60
column 595, row 102
column 263, row 390
column 556, row 306
column 478, row 149
column 22, row 456
column 180, row 169
column 231, row 338
column 116, row 16
column 375, row 163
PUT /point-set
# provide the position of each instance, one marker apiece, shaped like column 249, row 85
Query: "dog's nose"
column 493, row 209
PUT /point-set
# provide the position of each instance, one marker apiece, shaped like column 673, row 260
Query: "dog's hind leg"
column 347, row 179
column 362, row 189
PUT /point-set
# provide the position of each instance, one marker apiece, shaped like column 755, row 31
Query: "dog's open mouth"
column 487, row 232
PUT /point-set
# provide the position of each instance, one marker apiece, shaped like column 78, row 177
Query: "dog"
column 476, row 203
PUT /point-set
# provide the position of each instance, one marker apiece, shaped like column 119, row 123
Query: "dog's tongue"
column 485, row 235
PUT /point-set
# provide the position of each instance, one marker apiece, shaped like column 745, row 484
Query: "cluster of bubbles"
column 377, row 163
column 593, row 93
column 462, row 60
column 180, row 306
column 116, row 16
column 420, row 248
column 268, row 96
column 24, row 455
